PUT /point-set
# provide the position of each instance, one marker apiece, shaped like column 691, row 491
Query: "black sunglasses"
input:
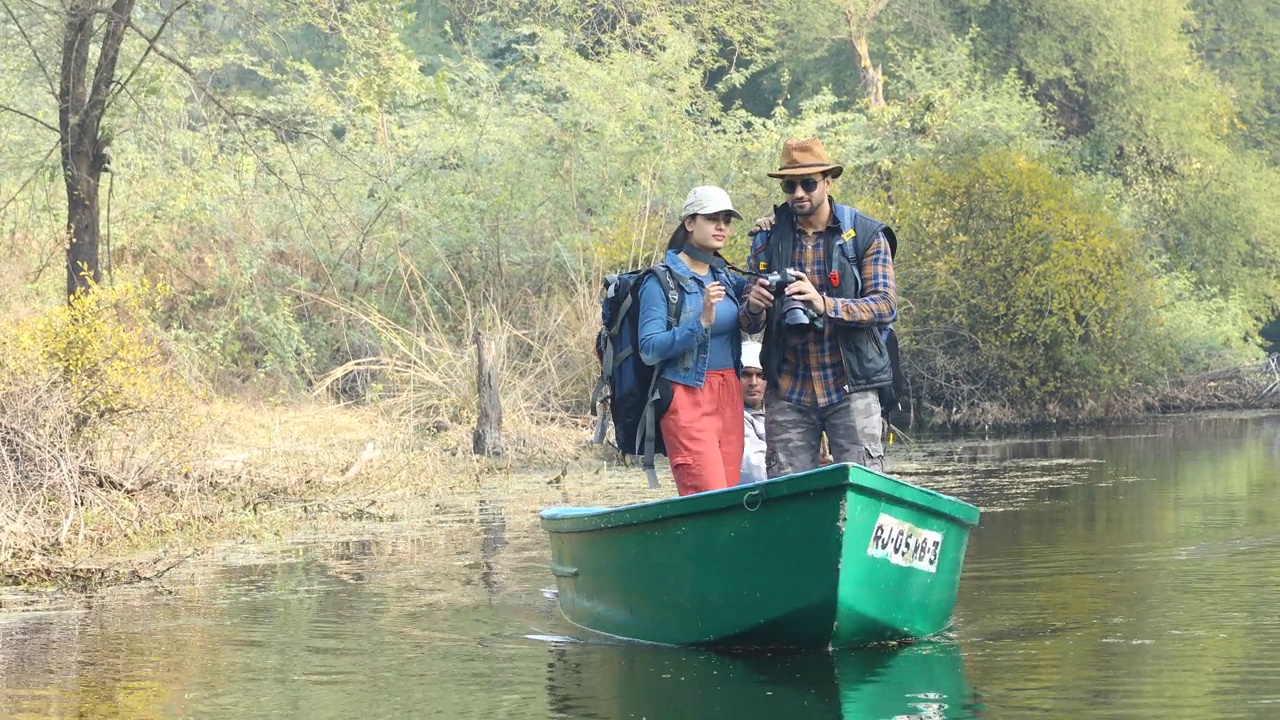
column 807, row 184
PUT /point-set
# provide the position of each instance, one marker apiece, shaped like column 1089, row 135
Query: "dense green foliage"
column 1018, row 280
column 1087, row 191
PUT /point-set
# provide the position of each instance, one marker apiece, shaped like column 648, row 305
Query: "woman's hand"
column 713, row 294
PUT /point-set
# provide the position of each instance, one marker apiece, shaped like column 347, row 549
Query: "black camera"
column 795, row 314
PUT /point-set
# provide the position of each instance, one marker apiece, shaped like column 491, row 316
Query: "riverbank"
column 1251, row 386
column 254, row 473
column 236, row 471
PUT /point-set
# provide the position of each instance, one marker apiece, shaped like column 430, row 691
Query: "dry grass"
column 70, row 513
column 426, row 370
column 63, row 489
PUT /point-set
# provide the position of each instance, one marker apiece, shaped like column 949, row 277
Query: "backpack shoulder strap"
column 759, row 246
column 861, row 230
column 674, row 296
column 847, row 217
column 647, row 442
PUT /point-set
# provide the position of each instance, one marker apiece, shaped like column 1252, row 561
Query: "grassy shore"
column 254, row 472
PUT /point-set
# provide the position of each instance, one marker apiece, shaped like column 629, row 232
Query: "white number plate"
column 905, row 544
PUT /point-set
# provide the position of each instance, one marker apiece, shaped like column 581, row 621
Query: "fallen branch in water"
column 895, row 430
column 1234, row 387
column 84, row 579
column 1273, row 364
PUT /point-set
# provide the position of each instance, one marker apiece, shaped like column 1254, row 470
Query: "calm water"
column 1131, row 572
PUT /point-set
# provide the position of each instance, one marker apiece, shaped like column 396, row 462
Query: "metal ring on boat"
column 746, row 500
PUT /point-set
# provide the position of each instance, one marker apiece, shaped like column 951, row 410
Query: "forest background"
column 329, row 198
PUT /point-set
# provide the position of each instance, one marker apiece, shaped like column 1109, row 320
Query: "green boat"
column 833, row 557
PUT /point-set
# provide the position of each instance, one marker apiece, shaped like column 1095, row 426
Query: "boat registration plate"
column 902, row 543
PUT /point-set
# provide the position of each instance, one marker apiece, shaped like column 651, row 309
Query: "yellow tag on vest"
column 849, row 234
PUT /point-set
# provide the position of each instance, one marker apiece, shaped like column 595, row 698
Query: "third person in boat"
column 753, row 389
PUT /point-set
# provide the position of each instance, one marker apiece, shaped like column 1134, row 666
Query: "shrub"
column 102, row 350
column 1018, row 288
column 91, row 412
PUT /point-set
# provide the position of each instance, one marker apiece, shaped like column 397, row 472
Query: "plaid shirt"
column 811, row 371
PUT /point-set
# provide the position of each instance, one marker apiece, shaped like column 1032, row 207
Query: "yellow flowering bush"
column 101, row 350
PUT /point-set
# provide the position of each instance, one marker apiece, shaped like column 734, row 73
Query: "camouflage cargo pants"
column 794, row 433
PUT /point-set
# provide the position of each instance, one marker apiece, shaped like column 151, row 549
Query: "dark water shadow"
column 493, row 538
column 922, row 680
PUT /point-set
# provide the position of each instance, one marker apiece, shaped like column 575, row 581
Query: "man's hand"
column 759, row 298
column 763, row 224
column 804, row 291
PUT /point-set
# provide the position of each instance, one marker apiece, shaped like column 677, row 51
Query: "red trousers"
column 702, row 431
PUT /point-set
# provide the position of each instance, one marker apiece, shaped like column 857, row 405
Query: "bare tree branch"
column 28, row 116
column 111, row 41
column 48, row 76
column 151, row 44
column 35, row 174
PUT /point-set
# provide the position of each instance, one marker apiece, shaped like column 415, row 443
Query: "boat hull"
column 808, row 560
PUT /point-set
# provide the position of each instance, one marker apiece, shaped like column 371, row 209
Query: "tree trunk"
column 82, row 222
column 872, row 75
column 860, row 14
column 487, row 438
column 81, row 105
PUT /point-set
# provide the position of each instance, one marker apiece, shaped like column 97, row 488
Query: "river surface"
column 1120, row 573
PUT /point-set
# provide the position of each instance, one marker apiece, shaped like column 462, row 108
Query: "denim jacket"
column 685, row 347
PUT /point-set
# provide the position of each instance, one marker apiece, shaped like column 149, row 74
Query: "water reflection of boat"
column 832, row 557
column 921, row 680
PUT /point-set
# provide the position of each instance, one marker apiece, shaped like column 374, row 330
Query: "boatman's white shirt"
column 753, row 447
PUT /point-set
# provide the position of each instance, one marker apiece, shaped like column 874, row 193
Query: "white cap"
column 708, row 200
column 751, row 354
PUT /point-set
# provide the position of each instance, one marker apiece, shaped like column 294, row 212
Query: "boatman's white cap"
column 751, row 354
column 708, row 200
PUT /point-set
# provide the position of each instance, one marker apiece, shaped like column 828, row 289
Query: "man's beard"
column 813, row 208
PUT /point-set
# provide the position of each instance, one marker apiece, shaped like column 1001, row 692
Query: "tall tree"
column 1238, row 39
column 81, row 105
column 83, row 90
column 1121, row 76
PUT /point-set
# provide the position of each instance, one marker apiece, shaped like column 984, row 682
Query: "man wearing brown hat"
column 824, row 375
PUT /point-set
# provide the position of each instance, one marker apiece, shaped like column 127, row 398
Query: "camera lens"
column 794, row 316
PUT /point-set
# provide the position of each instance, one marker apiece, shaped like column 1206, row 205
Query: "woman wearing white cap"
column 702, row 352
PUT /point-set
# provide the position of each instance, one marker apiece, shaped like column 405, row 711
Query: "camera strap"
column 714, row 260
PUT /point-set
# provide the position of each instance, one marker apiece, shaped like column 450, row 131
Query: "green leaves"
column 1027, row 285
column 1068, row 178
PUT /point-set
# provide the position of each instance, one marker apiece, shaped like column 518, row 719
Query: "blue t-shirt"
column 723, row 329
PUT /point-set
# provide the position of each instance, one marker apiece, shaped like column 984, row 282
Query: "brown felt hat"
column 805, row 156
